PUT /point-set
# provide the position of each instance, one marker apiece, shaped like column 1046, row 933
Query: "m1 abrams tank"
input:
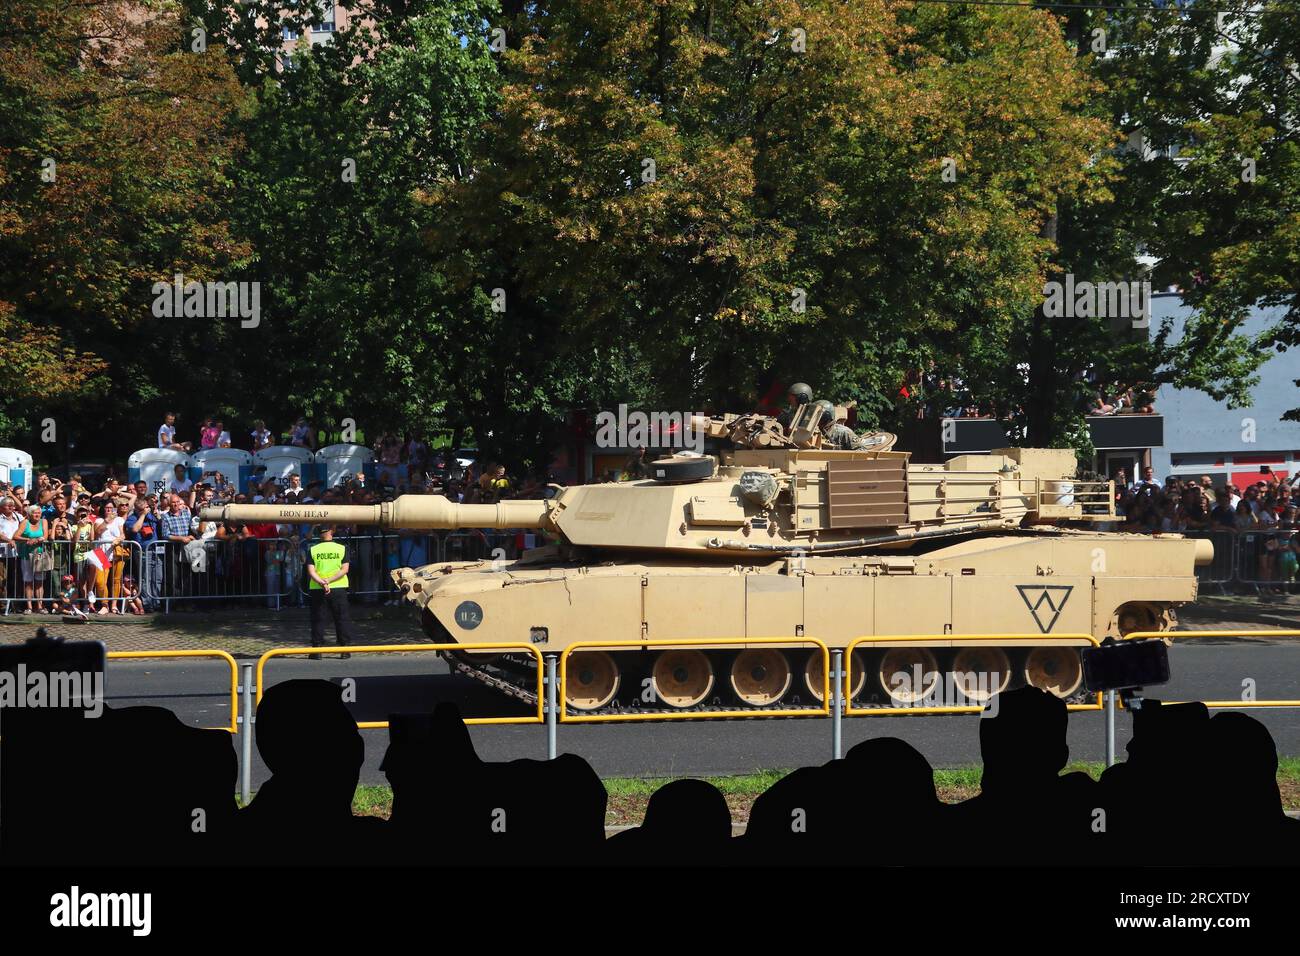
column 778, row 537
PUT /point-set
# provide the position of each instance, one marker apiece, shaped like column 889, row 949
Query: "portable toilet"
column 156, row 467
column 281, row 461
column 235, row 463
column 337, row 462
column 16, row 467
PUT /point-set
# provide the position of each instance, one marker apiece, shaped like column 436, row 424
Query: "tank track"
column 519, row 690
column 515, row 681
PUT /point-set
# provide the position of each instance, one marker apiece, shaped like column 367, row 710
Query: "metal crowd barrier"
column 69, row 559
column 1258, row 555
column 1198, row 635
column 244, row 568
column 411, row 649
column 1222, row 569
column 233, row 726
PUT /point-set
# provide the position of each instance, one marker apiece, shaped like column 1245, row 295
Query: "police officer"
column 327, row 569
column 800, row 394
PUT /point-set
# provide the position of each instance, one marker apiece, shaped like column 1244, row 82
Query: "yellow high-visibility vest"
column 328, row 557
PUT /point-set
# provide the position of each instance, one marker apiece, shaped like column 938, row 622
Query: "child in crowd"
column 69, row 595
column 131, row 603
column 1288, row 562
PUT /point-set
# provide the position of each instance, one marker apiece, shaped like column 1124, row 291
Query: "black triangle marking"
column 1043, row 595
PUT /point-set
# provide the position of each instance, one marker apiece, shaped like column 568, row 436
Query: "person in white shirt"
column 10, row 519
column 1148, row 478
column 167, row 434
column 182, row 486
column 261, row 435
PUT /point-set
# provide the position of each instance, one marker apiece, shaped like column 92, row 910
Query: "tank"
column 774, row 536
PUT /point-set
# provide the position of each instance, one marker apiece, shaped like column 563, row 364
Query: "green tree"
column 116, row 143
column 663, row 179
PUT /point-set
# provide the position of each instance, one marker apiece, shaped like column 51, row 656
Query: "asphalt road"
column 198, row 693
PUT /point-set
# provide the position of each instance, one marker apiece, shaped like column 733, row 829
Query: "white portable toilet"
column 281, row 461
column 338, row 462
column 156, row 467
column 235, row 463
column 16, row 467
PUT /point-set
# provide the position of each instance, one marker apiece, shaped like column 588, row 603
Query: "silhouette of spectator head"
column 424, row 750
column 308, row 740
column 910, row 776
column 1022, row 738
column 684, row 816
column 181, row 804
column 1243, row 762
column 691, row 812
column 1168, row 736
column 793, row 820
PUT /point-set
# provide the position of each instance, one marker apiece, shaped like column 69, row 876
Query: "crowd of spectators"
column 68, row 549
column 1189, row 505
column 213, row 434
column 1028, row 811
column 1122, row 400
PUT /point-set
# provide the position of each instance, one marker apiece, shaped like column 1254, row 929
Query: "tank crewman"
column 841, row 437
column 637, row 467
column 327, row 569
column 799, row 394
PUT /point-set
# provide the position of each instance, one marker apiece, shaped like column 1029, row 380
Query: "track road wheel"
column 908, row 674
column 760, row 677
column 813, row 675
column 981, row 672
column 682, row 678
column 591, row 680
column 1054, row 669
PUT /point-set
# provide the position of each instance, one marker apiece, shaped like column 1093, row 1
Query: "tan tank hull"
column 1038, row 584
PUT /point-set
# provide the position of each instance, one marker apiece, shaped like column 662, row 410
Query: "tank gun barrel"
column 414, row 512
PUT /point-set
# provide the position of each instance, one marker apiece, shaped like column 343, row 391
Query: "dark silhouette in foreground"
column 135, row 786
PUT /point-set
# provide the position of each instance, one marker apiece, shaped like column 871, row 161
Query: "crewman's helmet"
column 828, row 413
column 802, row 392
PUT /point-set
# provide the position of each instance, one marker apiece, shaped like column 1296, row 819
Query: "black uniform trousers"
column 337, row 604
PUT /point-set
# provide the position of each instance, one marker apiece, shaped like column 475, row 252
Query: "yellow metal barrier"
column 538, row 718
column 1014, row 640
column 233, row 726
column 566, row 717
column 1195, row 635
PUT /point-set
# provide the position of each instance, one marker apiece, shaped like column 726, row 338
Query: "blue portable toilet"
column 281, row 461
column 155, row 467
column 16, row 467
column 334, row 463
column 234, row 463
